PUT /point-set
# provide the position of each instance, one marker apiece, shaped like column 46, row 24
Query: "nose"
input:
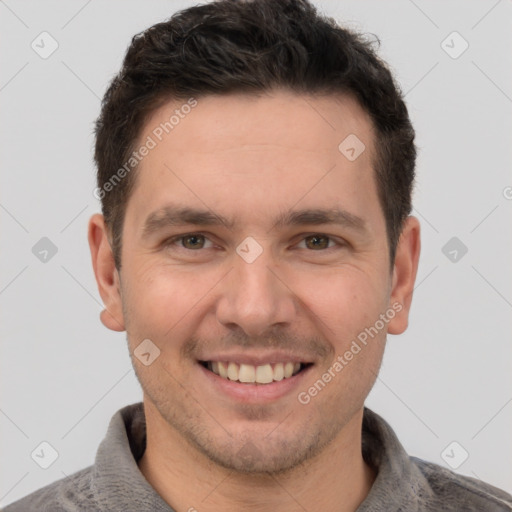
column 256, row 297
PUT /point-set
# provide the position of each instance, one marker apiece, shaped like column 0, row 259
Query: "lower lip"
column 255, row 393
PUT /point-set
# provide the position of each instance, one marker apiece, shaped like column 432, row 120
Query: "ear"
column 107, row 276
column 404, row 274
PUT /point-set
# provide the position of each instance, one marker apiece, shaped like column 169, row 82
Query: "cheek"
column 350, row 305
column 342, row 303
column 160, row 298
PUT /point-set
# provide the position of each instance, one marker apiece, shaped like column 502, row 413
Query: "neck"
column 337, row 479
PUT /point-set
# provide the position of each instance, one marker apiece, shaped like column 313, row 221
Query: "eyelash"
column 172, row 240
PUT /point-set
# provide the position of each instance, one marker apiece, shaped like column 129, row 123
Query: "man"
column 255, row 167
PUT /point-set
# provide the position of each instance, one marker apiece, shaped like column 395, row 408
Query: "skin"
column 250, row 158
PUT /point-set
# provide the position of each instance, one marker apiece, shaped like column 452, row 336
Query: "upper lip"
column 257, row 359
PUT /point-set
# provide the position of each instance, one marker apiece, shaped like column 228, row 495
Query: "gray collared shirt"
column 115, row 483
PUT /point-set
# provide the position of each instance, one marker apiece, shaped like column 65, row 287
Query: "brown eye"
column 317, row 242
column 193, row 241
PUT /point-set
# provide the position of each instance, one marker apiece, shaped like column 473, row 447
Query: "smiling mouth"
column 251, row 374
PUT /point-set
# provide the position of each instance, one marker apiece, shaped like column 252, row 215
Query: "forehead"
column 216, row 122
column 249, row 151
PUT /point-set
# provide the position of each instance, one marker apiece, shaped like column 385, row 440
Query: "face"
column 253, row 246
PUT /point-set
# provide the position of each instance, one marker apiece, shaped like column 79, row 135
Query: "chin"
column 260, row 455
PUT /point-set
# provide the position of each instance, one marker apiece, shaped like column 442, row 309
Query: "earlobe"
column 107, row 277
column 404, row 274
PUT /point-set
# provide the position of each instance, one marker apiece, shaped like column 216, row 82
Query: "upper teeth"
column 262, row 374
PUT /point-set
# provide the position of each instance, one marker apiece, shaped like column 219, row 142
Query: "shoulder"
column 70, row 494
column 451, row 491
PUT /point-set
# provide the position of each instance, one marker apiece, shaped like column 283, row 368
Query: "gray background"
column 64, row 375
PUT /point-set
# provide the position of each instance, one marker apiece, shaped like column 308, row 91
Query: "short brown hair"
column 252, row 46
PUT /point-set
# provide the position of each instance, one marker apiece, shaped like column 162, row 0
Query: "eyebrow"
column 175, row 215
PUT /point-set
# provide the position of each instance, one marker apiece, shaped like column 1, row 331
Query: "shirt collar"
column 399, row 484
column 117, row 482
